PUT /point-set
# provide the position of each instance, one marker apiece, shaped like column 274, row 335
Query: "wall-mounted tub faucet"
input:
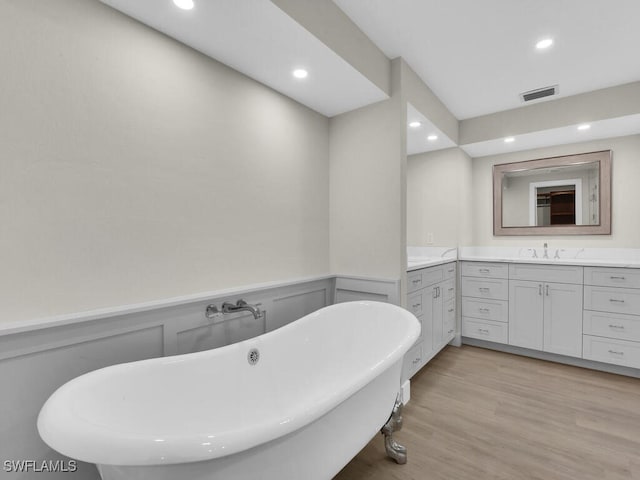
column 228, row 307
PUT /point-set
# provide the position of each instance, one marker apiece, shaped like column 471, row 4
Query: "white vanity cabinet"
column 431, row 297
column 588, row 312
column 545, row 308
column 611, row 325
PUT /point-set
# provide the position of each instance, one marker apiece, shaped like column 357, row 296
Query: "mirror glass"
column 560, row 195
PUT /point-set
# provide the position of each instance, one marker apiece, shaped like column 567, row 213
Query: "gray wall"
column 625, row 195
column 439, row 198
column 133, row 168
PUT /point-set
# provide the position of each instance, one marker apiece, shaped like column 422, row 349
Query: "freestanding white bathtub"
column 321, row 388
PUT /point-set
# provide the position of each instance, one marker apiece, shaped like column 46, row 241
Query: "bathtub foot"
column 393, row 448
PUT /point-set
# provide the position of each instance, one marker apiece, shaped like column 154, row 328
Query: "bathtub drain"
column 253, row 356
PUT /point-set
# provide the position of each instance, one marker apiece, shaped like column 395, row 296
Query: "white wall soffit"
column 259, row 40
column 417, row 137
column 613, row 127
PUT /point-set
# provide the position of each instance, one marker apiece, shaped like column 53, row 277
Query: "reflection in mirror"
column 560, row 195
column 564, row 195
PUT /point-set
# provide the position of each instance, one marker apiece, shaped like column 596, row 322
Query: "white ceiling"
column 478, row 56
column 258, row 39
column 614, row 127
column 417, row 141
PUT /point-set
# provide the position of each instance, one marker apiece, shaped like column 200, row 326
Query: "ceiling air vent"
column 539, row 93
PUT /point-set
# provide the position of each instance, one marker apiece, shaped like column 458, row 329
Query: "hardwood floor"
column 478, row 414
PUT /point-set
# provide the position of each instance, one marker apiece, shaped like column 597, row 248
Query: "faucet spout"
column 241, row 305
column 448, row 250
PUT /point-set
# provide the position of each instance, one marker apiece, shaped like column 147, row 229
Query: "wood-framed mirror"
column 568, row 195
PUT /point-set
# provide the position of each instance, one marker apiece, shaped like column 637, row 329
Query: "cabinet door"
column 525, row 314
column 437, row 316
column 563, row 319
column 428, row 303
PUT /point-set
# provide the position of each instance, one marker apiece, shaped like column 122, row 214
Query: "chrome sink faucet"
column 546, row 253
column 241, row 305
column 448, row 250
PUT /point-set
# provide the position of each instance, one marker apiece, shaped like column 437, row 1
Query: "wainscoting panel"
column 358, row 288
column 29, row 379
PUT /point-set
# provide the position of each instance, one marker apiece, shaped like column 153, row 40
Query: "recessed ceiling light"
column 544, row 43
column 509, row 140
column 414, row 124
column 184, row 4
column 432, row 138
column 584, row 126
column 300, row 73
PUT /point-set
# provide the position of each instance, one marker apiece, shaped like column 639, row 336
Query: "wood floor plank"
column 477, row 414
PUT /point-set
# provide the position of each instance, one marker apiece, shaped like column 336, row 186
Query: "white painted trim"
column 533, row 197
column 59, row 320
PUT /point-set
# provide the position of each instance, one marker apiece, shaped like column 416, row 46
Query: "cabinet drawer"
column 432, row 275
column 485, row 330
column 620, row 352
column 414, row 281
column 449, row 270
column 612, row 277
column 496, row 310
column 495, row 289
column 448, row 290
column 609, row 299
column 546, row 273
column 486, row 270
column 612, row 325
column 449, row 321
column 413, row 360
column 414, row 303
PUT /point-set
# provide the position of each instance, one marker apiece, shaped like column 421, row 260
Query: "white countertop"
column 422, row 257
column 416, row 263
column 597, row 257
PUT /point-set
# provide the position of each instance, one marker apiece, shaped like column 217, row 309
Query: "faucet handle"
column 535, row 254
column 212, row 311
column 557, row 254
